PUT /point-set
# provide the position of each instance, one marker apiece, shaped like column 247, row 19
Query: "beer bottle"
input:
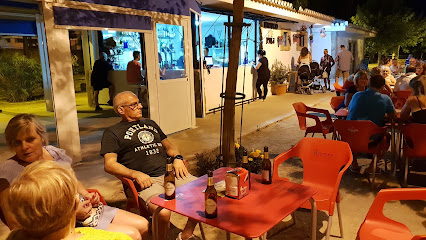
column 266, row 168
column 210, row 197
column 169, row 181
column 246, row 166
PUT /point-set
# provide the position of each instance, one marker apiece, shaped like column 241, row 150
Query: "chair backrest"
column 398, row 102
column 337, row 86
column 415, row 134
column 300, row 107
column 336, row 101
column 357, row 133
column 403, row 94
column 375, row 214
column 324, row 162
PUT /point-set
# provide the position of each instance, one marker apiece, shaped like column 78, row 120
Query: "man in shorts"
column 137, row 148
column 344, row 59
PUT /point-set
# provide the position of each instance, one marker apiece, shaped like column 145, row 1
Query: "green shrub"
column 20, row 78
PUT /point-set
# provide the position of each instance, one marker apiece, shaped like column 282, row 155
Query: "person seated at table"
column 361, row 83
column 411, row 63
column 403, row 82
column 421, row 72
column 43, row 201
column 27, row 137
column 387, row 74
column 374, row 106
column 395, row 67
column 350, row 82
column 379, row 71
column 137, row 148
column 416, row 103
column 371, row 104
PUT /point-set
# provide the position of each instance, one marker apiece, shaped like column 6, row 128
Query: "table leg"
column 228, row 235
column 155, row 233
column 393, row 147
column 314, row 218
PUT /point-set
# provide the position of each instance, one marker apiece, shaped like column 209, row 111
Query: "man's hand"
column 142, row 179
column 83, row 210
column 93, row 197
column 180, row 169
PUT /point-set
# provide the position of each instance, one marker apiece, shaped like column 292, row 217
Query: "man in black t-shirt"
column 137, row 148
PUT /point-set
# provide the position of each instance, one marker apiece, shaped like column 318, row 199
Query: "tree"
column 300, row 4
column 395, row 24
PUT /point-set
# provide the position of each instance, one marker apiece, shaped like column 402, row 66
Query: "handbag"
column 95, row 214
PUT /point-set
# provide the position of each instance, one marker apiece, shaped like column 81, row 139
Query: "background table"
column 252, row 216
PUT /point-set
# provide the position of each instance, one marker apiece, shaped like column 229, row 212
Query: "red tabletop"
column 342, row 112
column 250, row 217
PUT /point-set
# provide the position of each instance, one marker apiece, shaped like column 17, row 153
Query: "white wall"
column 319, row 44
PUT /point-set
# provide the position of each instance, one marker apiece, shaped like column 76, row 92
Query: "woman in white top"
column 305, row 57
column 387, row 75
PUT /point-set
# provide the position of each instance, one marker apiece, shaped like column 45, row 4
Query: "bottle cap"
column 245, row 152
column 265, row 149
column 209, row 173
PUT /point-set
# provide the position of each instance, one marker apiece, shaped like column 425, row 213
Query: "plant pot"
column 278, row 89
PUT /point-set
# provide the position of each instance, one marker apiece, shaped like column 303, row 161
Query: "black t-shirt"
column 263, row 71
column 137, row 145
column 100, row 71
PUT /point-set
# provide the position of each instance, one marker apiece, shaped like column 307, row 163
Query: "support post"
column 228, row 129
column 59, row 53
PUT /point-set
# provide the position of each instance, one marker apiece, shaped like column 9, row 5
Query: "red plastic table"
column 250, row 217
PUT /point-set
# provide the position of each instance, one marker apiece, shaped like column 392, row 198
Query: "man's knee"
column 164, row 214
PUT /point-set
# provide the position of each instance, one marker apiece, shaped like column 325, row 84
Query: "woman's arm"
column 406, row 110
column 348, row 98
column 258, row 65
column 388, row 88
column 310, row 57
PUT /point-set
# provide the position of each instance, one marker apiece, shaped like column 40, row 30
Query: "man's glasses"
column 133, row 106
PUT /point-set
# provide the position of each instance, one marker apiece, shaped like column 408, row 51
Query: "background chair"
column 324, row 162
column 403, row 94
column 133, row 199
column 336, row 101
column 339, row 89
column 357, row 134
column 323, row 127
column 378, row 227
column 414, row 145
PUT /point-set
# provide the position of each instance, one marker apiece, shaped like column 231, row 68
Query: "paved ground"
column 357, row 195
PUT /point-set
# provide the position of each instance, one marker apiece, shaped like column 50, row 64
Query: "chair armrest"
column 319, row 110
column 282, row 158
column 316, row 118
column 100, row 196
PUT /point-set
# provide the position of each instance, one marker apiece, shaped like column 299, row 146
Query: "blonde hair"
column 360, row 74
column 43, row 198
column 120, row 99
column 24, row 122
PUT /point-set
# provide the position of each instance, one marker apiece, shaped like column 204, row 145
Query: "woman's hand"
column 93, row 197
column 83, row 210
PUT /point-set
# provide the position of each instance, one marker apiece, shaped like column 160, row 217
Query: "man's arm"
column 172, row 151
column 117, row 169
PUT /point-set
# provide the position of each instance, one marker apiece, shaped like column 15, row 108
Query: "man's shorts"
column 157, row 187
column 340, row 73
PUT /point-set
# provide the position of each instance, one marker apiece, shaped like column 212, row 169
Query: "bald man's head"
column 122, row 98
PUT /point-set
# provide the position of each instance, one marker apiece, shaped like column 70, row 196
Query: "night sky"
column 346, row 9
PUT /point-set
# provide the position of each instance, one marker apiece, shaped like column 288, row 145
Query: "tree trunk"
column 228, row 149
column 397, row 52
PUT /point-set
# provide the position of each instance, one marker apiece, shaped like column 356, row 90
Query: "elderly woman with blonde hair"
column 27, row 137
column 387, row 75
column 44, row 201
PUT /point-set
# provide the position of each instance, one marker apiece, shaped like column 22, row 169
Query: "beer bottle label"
column 210, row 206
column 265, row 175
column 169, row 188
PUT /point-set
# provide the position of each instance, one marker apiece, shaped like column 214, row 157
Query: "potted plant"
column 279, row 78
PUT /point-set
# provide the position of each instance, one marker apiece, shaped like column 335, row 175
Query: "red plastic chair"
column 398, row 102
column 403, row 94
column 100, row 196
column 336, row 101
column 339, row 89
column 323, row 127
column 419, row 237
column 414, row 144
column 357, row 134
column 378, row 227
column 324, row 162
column 133, row 199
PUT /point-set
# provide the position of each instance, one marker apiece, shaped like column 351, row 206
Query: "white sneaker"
column 193, row 237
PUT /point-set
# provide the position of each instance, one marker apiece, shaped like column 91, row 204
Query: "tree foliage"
column 396, row 25
column 297, row 4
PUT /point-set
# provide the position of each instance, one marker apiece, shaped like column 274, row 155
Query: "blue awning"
column 17, row 28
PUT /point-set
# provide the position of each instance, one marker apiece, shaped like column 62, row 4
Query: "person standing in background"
column 344, row 59
column 134, row 73
column 263, row 74
column 99, row 79
column 327, row 62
